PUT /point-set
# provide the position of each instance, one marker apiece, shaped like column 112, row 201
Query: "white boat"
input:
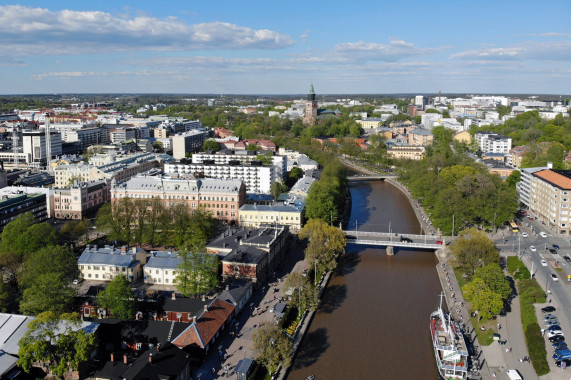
column 449, row 346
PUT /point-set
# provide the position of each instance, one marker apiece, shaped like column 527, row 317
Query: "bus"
column 514, row 226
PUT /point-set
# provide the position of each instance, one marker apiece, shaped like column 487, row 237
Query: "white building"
column 523, row 187
column 257, row 178
column 161, row 268
column 243, row 156
column 491, row 142
column 106, row 263
column 34, row 147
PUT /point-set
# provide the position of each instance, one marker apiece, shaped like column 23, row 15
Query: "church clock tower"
column 310, row 107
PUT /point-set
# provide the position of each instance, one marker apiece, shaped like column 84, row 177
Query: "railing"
column 395, row 243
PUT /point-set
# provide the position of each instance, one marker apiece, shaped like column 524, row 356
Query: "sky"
column 281, row 47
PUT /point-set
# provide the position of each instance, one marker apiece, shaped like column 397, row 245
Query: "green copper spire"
column 311, row 95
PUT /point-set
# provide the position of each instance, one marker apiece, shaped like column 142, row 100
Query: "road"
column 559, row 290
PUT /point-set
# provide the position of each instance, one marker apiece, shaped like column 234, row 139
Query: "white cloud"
column 531, row 50
column 395, row 50
column 39, row 30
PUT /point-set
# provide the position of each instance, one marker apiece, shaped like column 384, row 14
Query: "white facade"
column 242, row 155
column 490, row 142
column 257, row 178
column 34, row 146
column 523, row 187
column 187, row 142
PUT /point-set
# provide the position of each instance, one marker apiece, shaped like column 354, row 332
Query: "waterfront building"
column 279, row 214
column 227, row 156
column 406, row 152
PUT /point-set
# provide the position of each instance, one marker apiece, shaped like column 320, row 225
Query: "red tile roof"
column 206, row 327
column 558, row 179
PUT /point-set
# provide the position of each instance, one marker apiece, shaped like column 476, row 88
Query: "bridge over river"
column 365, row 177
column 387, row 239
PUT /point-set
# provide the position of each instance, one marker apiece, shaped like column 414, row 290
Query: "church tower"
column 310, row 107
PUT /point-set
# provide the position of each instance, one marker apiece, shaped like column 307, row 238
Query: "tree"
column 278, row 187
column 5, row 296
column 482, row 298
column 272, row 346
column 266, row 158
column 48, row 292
column 514, row 178
column 473, row 249
column 295, row 173
column 118, row 298
column 56, row 342
column 158, row 147
column 253, row 147
column 325, row 243
column 304, row 296
column 494, row 278
column 53, row 260
column 211, row 145
column 72, row 230
column 320, row 203
column 198, row 272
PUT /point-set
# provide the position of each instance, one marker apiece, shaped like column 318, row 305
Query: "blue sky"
column 269, row 47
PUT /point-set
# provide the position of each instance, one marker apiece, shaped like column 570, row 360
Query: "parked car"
column 532, row 248
column 567, row 362
column 554, row 328
column 542, row 234
column 556, row 338
column 554, row 277
column 524, row 234
column 548, row 309
column 531, row 218
column 559, row 345
column 551, row 334
column 551, row 322
column 543, row 262
column 549, row 317
column 555, row 246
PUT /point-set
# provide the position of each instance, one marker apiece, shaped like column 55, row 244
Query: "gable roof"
column 206, row 327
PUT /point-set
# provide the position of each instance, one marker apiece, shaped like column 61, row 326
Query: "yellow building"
column 550, row 196
column 256, row 215
column 406, row 152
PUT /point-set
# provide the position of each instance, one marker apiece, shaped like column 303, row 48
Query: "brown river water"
column 374, row 317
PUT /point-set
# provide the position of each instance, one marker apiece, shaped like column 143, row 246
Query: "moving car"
column 524, row 234
column 555, row 246
column 567, row 258
column 552, row 251
column 548, row 309
column 542, row 234
column 554, row 277
column 405, row 239
column 532, row 248
column 543, row 262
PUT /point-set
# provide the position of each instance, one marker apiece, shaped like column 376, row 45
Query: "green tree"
column 321, row 202
column 158, row 147
column 513, row 178
column 72, row 230
column 266, row 158
column 304, row 294
column 5, row 296
column 277, row 188
column 494, row 277
column 253, row 147
column 49, row 260
column 211, row 145
column 295, row 173
column 55, row 342
column 272, row 346
column 118, row 298
column 326, row 243
column 488, row 303
column 48, row 292
column 198, row 272
column 473, row 249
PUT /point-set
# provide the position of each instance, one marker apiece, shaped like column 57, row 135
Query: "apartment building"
column 523, row 187
column 419, row 137
column 516, row 155
column 187, row 142
column 221, row 198
column 123, row 168
column 258, row 178
column 370, row 123
column 34, row 147
column 106, row 263
column 227, row 156
column 13, row 205
column 80, row 200
column 550, row 196
column 491, row 142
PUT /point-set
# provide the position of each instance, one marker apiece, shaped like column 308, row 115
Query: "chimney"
column 205, row 308
column 124, row 250
column 134, row 250
column 194, row 319
column 112, row 358
column 227, row 286
column 550, row 165
column 203, row 298
column 173, row 296
column 150, row 358
column 224, row 245
column 125, row 359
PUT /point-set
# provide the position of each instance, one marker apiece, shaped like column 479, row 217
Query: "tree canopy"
column 474, row 249
column 272, row 347
column 118, row 298
column 56, row 342
column 325, row 243
column 211, row 145
column 198, row 272
column 488, row 303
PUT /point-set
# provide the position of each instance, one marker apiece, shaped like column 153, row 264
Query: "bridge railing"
column 394, row 243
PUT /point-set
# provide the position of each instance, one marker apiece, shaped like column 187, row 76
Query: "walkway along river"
column 374, row 316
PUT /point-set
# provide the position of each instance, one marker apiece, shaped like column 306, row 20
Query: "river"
column 374, row 316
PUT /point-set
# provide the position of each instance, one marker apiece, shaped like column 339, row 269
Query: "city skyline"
column 262, row 48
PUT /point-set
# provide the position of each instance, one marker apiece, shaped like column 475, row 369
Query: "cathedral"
column 312, row 113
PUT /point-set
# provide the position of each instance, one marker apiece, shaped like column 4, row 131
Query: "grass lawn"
column 484, row 336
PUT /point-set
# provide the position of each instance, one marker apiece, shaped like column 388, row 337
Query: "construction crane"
column 48, row 139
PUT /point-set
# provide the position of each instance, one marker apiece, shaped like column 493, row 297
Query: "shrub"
column 536, row 348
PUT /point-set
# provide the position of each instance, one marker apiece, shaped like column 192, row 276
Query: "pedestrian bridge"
column 386, row 239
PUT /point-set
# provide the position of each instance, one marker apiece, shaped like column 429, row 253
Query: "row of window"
column 269, row 217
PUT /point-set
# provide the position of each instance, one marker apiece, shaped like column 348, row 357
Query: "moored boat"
column 449, row 346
